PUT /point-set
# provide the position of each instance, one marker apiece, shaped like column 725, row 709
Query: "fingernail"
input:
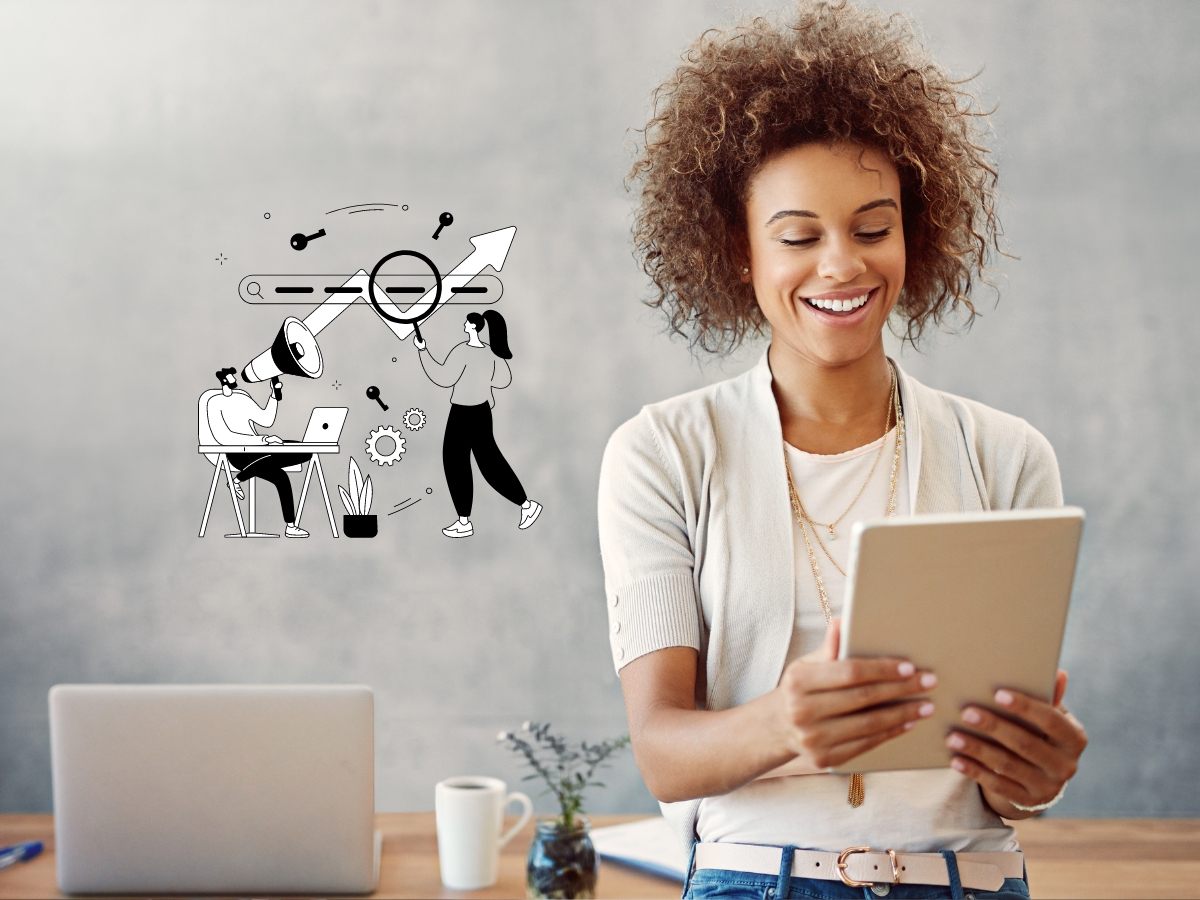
column 956, row 741
column 928, row 680
column 1004, row 698
column 908, row 726
column 958, row 765
column 925, row 710
column 906, row 669
column 971, row 716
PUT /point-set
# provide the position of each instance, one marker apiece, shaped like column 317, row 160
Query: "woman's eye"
column 798, row 242
column 874, row 235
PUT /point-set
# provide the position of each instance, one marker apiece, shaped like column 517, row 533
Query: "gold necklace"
column 798, row 506
column 887, row 418
column 857, row 793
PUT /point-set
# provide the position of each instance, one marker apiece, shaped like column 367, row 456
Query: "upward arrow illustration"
column 491, row 249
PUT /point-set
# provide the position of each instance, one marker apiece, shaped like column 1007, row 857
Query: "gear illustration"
column 373, row 445
column 414, row 419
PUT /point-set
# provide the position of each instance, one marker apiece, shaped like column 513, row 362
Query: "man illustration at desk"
column 232, row 415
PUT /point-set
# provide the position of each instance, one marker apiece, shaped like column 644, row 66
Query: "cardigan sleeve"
column 1039, row 485
column 646, row 547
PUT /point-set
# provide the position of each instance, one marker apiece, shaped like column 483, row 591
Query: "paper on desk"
column 649, row 844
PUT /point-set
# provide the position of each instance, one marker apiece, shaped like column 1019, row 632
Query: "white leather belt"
column 861, row 866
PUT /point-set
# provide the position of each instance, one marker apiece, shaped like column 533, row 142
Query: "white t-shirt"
column 917, row 811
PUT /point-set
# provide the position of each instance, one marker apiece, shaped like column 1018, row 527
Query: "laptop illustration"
column 325, row 425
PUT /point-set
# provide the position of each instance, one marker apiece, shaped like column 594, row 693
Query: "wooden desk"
column 1151, row 858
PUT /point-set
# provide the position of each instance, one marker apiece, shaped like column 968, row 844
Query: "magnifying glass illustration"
column 254, row 289
column 423, row 314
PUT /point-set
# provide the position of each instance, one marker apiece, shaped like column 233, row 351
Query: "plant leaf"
column 356, row 479
column 347, row 502
column 368, row 494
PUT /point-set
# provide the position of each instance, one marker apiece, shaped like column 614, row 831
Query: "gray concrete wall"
column 142, row 142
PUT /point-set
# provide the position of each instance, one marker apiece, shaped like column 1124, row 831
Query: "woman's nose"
column 841, row 261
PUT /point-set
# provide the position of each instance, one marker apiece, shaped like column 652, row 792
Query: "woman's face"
column 824, row 230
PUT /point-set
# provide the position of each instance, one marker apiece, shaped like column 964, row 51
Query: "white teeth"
column 839, row 305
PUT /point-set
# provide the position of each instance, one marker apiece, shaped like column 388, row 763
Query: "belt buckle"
column 842, row 865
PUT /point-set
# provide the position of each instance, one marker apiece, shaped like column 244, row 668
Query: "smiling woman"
column 817, row 180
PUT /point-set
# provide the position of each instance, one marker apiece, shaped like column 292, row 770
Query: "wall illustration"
column 404, row 288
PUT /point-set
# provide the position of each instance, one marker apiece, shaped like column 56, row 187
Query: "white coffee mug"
column 470, row 816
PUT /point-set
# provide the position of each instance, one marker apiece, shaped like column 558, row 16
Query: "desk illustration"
column 221, row 452
column 1066, row 858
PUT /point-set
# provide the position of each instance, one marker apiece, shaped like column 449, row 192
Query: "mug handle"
column 525, row 816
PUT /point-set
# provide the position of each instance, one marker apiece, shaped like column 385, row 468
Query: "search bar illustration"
column 403, row 290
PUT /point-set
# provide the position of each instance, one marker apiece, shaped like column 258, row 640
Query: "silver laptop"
column 325, row 425
column 205, row 789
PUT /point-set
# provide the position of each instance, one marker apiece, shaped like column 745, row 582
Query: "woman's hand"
column 819, row 715
column 832, row 708
column 1026, row 761
column 419, row 344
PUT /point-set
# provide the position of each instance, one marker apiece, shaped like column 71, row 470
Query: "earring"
column 745, row 271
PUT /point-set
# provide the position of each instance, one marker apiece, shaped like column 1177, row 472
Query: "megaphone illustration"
column 294, row 352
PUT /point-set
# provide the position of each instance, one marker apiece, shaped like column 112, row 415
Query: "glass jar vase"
column 562, row 861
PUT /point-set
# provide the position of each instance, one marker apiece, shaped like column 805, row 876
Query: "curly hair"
column 833, row 73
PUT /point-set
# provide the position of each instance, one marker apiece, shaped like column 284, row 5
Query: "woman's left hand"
column 1026, row 761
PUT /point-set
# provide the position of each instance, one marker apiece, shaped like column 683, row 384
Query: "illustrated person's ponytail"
column 497, row 331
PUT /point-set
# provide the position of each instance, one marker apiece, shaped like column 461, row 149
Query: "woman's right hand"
column 831, row 708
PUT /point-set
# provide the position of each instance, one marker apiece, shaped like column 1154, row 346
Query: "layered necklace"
column 858, row 791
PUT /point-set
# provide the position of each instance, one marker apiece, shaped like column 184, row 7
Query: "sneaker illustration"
column 294, row 531
column 529, row 514
column 457, row 529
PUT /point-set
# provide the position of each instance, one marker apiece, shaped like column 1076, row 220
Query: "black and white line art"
column 405, row 504
column 303, row 289
column 229, row 419
column 293, row 352
column 474, row 370
column 373, row 394
column 226, row 419
column 385, row 457
column 414, row 419
column 445, row 220
column 358, row 521
column 300, row 240
column 361, row 207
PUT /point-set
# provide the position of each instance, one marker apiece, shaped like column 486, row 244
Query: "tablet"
column 978, row 598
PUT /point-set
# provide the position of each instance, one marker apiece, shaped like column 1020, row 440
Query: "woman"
column 473, row 372
column 815, row 179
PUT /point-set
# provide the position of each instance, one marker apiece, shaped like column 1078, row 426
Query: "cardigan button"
column 616, row 599
column 616, row 627
column 620, row 653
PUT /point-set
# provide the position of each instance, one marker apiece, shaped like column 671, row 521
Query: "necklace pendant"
column 858, row 790
column 832, row 536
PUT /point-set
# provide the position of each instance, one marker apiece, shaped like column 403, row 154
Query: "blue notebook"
column 649, row 845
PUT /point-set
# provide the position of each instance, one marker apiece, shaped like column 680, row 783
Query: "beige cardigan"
column 694, row 502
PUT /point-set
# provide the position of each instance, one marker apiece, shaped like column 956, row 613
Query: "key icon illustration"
column 300, row 241
column 373, row 394
column 444, row 219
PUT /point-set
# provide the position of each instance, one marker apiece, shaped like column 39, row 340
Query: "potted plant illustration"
column 358, row 523
column 562, row 861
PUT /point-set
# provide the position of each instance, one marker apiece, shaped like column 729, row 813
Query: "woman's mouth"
column 841, row 307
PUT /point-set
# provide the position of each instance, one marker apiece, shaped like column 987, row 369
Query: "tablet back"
column 978, row 598
column 206, row 789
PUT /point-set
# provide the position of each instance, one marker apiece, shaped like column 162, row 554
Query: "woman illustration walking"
column 473, row 369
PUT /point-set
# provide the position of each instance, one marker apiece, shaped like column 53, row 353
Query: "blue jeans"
column 720, row 884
